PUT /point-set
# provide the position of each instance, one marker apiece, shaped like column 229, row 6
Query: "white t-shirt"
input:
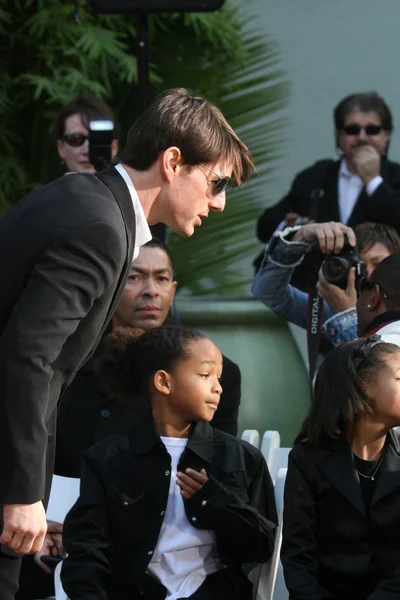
column 184, row 555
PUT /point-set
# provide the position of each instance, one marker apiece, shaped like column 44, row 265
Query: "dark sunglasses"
column 354, row 129
column 368, row 285
column 220, row 185
column 75, row 139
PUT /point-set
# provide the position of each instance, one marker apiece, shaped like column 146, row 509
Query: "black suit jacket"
column 332, row 546
column 112, row 531
column 314, row 194
column 89, row 414
column 65, row 252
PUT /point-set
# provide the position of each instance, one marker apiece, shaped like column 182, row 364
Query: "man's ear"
column 171, row 160
column 174, row 284
column 337, row 139
column 114, row 148
column 162, row 382
column 387, row 143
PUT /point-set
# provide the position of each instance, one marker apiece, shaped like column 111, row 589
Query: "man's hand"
column 367, row 162
column 52, row 546
column 24, row 527
column 330, row 236
column 191, row 482
column 338, row 299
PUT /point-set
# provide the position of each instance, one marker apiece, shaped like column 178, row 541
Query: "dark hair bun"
column 116, row 365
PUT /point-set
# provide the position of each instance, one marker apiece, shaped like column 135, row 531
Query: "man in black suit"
column 88, row 413
column 362, row 186
column 66, row 252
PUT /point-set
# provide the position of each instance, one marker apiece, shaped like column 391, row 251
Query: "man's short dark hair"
column 88, row 107
column 369, row 234
column 194, row 125
column 363, row 102
column 156, row 243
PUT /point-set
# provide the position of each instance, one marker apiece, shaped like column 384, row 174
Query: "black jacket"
column 65, row 251
column 113, row 528
column 314, row 194
column 333, row 547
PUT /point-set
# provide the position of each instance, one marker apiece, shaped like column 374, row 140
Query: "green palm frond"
column 251, row 99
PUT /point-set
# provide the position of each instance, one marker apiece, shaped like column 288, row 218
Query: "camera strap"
column 314, row 322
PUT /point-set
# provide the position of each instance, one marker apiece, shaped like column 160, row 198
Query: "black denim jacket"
column 112, row 531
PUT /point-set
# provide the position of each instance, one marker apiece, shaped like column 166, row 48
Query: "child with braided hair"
column 173, row 508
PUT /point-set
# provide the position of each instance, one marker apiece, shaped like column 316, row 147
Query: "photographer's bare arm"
column 24, row 527
column 339, row 300
column 330, row 236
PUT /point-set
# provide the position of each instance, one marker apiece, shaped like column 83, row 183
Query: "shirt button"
column 203, row 502
column 194, row 519
column 105, row 413
column 150, row 552
column 167, row 472
column 162, row 512
column 126, row 503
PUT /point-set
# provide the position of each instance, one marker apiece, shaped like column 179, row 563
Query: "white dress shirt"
column 143, row 233
column 349, row 188
column 184, row 555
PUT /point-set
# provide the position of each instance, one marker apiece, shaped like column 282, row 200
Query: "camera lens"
column 335, row 269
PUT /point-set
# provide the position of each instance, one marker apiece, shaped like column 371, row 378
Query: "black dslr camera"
column 335, row 267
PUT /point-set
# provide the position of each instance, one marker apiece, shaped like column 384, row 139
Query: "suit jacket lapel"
column 339, row 469
column 115, row 183
column 389, row 478
column 358, row 213
column 328, row 205
column 113, row 180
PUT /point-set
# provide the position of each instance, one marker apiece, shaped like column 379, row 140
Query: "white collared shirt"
column 349, row 188
column 184, row 555
column 143, row 233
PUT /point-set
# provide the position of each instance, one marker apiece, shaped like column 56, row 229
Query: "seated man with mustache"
column 363, row 185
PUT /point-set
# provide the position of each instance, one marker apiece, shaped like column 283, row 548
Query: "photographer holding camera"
column 317, row 244
column 362, row 185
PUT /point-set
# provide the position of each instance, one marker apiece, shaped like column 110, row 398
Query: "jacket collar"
column 338, row 468
column 143, row 437
column 382, row 320
column 389, row 478
column 115, row 183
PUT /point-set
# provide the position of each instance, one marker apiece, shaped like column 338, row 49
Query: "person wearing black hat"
column 378, row 305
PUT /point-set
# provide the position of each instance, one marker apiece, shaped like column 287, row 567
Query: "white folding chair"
column 252, row 437
column 63, row 495
column 271, row 585
column 279, row 461
column 270, row 442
